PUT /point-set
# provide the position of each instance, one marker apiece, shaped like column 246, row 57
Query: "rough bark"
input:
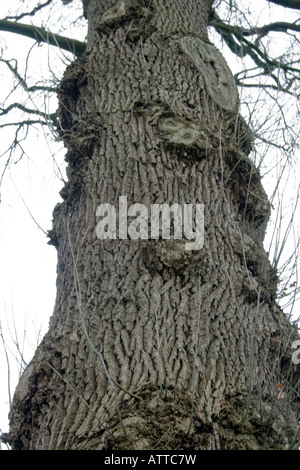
column 151, row 346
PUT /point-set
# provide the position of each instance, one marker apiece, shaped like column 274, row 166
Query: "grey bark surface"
column 151, row 346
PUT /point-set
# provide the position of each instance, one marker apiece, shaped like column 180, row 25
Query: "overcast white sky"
column 28, row 264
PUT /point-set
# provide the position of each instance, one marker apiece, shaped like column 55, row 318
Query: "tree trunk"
column 152, row 346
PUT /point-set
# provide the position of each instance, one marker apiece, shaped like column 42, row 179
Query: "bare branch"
column 265, row 86
column 235, row 38
column 28, row 122
column 279, row 26
column 15, row 72
column 30, row 13
column 294, row 4
column 41, row 35
column 23, row 108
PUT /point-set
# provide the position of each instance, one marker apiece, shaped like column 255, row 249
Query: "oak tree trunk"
column 152, row 346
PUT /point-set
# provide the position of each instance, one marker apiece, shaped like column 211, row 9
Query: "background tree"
column 150, row 346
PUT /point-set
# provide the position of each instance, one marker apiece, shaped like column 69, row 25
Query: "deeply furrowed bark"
column 151, row 346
